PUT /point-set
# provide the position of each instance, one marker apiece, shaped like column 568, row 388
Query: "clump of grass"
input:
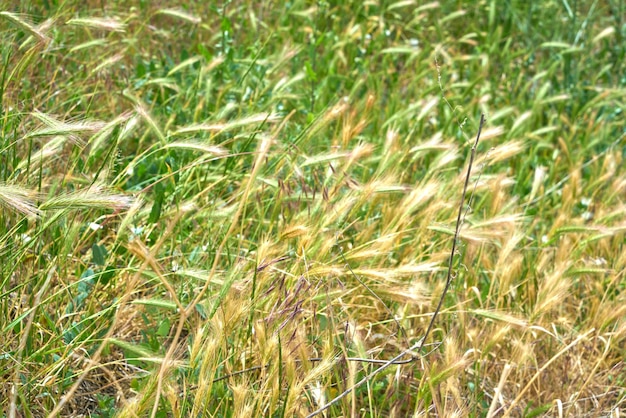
column 246, row 210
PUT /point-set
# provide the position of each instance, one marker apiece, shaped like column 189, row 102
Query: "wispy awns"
column 359, row 151
column 48, row 152
column 389, row 275
column 38, row 31
column 228, row 126
column 415, row 294
column 418, row 197
column 198, row 146
column 94, row 198
column 490, row 133
column 493, row 229
column 108, row 24
column 127, row 120
column 54, row 127
column 502, row 152
column 553, row 290
column 141, row 110
column 180, row 14
column 18, row 199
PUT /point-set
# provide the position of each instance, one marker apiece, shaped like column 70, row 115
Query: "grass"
column 243, row 209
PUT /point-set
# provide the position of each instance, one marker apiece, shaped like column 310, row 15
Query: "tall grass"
column 242, row 209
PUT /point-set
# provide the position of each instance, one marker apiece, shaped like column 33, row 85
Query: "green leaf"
column 164, row 328
column 205, row 52
column 539, row 411
column 157, row 206
column 106, row 276
column 99, row 254
column 310, row 73
column 226, row 25
column 159, row 303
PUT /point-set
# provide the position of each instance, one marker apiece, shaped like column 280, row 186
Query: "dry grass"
column 243, row 210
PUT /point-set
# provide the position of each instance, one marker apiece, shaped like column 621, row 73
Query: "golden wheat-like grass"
column 243, row 211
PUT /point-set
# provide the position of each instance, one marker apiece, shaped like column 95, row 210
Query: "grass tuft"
column 241, row 209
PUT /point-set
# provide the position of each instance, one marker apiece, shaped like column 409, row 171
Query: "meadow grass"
column 241, row 208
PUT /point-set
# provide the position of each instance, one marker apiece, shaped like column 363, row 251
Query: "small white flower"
column 600, row 261
column 95, row 226
column 544, row 239
column 317, row 391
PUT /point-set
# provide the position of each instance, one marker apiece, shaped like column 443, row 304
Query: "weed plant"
column 242, row 208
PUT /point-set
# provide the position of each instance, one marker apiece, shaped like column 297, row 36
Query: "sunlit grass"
column 238, row 209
